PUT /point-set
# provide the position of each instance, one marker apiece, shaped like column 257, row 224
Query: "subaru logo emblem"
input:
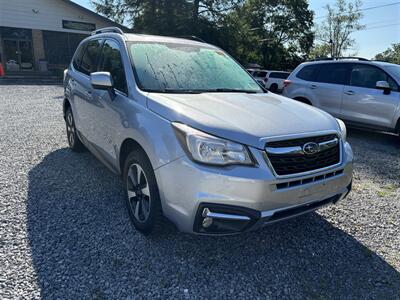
column 311, row 148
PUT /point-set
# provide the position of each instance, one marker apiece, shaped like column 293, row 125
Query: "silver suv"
column 196, row 139
column 363, row 93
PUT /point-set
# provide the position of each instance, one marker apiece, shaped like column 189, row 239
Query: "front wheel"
column 142, row 196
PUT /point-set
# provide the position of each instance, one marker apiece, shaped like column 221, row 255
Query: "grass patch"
column 387, row 190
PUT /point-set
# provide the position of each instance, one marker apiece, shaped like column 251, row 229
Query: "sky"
column 382, row 24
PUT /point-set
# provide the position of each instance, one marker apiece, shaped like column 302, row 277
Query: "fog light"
column 207, row 222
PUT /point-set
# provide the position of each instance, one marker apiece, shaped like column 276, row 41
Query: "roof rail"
column 192, row 37
column 107, row 29
column 339, row 58
column 353, row 57
column 321, row 58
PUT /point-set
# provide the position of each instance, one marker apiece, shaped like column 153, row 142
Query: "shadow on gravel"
column 83, row 246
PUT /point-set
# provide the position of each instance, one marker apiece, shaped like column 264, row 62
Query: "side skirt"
column 98, row 153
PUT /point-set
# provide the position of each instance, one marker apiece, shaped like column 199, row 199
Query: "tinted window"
column 78, row 57
column 279, row 75
column 260, row 73
column 395, row 70
column 111, row 61
column 89, row 60
column 393, row 85
column 367, row 76
column 308, row 72
column 333, row 73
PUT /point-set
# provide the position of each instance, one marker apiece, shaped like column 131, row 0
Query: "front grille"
column 286, row 164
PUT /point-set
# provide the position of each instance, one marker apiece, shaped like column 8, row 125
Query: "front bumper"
column 253, row 195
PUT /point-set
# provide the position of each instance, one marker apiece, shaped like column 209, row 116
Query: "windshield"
column 175, row 68
column 395, row 70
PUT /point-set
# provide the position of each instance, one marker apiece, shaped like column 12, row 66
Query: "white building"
column 33, row 31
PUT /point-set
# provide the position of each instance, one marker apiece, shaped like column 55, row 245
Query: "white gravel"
column 65, row 233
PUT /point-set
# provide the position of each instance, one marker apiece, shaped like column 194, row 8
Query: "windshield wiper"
column 224, row 90
column 174, row 91
column 188, row 91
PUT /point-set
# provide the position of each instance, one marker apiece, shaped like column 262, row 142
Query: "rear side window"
column 308, row 73
column 366, row 76
column 78, row 56
column 90, row 56
column 111, row 61
column 260, row 73
column 279, row 75
column 333, row 73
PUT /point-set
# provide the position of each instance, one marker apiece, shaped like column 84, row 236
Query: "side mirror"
column 101, row 80
column 383, row 85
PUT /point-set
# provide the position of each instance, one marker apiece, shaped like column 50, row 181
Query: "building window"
column 59, row 47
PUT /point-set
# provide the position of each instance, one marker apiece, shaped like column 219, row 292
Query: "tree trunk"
column 195, row 16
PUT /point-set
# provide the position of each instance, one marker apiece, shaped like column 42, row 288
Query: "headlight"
column 209, row 149
column 343, row 130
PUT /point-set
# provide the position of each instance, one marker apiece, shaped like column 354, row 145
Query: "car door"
column 363, row 103
column 327, row 90
column 108, row 109
column 83, row 98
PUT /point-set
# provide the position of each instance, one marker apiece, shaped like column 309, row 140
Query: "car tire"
column 141, row 193
column 73, row 139
column 303, row 100
column 273, row 88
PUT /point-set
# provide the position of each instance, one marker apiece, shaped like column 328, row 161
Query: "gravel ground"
column 65, row 232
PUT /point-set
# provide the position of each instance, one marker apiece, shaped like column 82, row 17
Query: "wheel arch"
column 397, row 128
column 303, row 100
column 127, row 146
column 66, row 105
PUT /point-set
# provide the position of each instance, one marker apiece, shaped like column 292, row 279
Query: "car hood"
column 245, row 118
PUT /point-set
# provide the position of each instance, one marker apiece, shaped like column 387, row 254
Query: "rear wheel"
column 73, row 140
column 142, row 196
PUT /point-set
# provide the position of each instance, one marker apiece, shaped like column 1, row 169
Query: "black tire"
column 303, row 100
column 146, row 221
column 73, row 139
column 273, row 88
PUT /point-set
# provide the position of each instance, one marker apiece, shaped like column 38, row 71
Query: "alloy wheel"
column 138, row 193
column 70, row 129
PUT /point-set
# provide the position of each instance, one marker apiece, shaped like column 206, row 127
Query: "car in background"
column 271, row 80
column 361, row 92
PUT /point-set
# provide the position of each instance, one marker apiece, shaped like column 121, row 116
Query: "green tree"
column 320, row 50
column 336, row 28
column 391, row 55
column 276, row 34
column 165, row 16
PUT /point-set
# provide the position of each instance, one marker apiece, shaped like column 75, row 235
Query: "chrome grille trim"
column 299, row 150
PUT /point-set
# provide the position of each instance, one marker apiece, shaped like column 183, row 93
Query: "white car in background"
column 361, row 92
column 271, row 80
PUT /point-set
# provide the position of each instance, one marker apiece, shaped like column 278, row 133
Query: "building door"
column 18, row 55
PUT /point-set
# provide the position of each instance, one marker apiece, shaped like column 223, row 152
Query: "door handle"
column 350, row 93
column 313, row 86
